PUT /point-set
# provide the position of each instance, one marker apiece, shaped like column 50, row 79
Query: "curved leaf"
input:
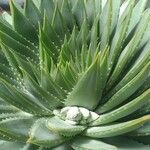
column 42, row 136
column 63, row 128
column 116, row 129
column 84, row 143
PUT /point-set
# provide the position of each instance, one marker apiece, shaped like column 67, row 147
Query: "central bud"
column 76, row 115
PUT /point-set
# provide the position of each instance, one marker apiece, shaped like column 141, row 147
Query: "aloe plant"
column 75, row 74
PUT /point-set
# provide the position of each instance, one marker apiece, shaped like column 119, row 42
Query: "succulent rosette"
column 75, row 75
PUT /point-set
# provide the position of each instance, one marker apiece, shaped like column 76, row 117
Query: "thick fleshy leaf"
column 17, row 128
column 136, row 14
column 58, row 23
column 67, row 14
column 18, row 47
column 50, row 33
column 115, row 14
column 105, row 24
column 86, row 91
column 91, row 144
column 13, row 96
column 22, row 25
column 48, row 44
column 7, row 17
column 29, row 147
column 10, row 145
column 120, row 34
column 7, row 74
column 47, row 7
column 79, row 11
column 125, row 143
column 48, row 84
column 63, row 147
column 131, row 49
column 41, row 135
column 9, row 31
column 32, row 13
column 7, row 109
column 142, row 139
column 125, row 92
column 62, row 127
column 116, row 129
column 124, row 110
column 142, row 131
column 4, row 116
column 136, row 68
column 47, row 99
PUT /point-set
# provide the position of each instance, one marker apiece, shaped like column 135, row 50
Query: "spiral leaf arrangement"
column 75, row 74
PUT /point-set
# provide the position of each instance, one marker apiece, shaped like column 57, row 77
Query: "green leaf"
column 26, row 65
column 58, row 23
column 32, row 13
column 17, row 128
column 105, row 24
column 115, row 14
column 83, row 34
column 63, row 128
column 65, row 53
column 125, row 92
column 142, row 139
column 62, row 80
column 116, row 129
column 13, row 96
column 98, row 7
column 142, row 131
column 7, row 109
column 79, row 11
column 67, row 14
column 144, row 110
column 48, row 46
column 136, row 14
column 63, row 147
column 9, row 31
column 41, row 135
column 18, row 47
column 135, row 69
column 50, row 33
column 47, row 7
column 131, row 49
column 48, row 100
column 29, row 147
column 126, row 143
column 86, row 91
column 22, row 25
column 85, row 143
column 94, row 34
column 120, row 34
column 124, row 110
column 104, row 68
column 10, row 145
column 48, row 84
column 7, row 17
column 3, row 58
column 4, row 70
column 12, row 115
